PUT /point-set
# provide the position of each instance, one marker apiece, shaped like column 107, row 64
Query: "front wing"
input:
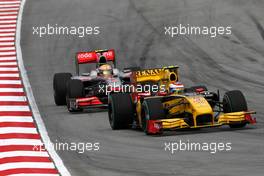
column 86, row 103
column 157, row 126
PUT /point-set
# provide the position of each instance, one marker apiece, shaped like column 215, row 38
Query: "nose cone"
column 200, row 105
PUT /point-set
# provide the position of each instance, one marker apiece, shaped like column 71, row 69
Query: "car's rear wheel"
column 59, row 86
column 120, row 110
column 234, row 101
column 75, row 89
column 152, row 109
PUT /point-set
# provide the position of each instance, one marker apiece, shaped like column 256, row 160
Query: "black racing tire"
column 60, row 87
column 75, row 89
column 152, row 109
column 234, row 101
column 120, row 110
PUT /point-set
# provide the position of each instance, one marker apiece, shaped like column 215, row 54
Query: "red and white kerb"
column 18, row 132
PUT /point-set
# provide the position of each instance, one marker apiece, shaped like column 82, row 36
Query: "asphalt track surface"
column 136, row 30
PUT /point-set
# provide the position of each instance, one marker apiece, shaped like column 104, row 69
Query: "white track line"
column 7, row 53
column 7, row 130
column 34, row 142
column 8, row 58
column 10, row 82
column 11, row 89
column 16, row 119
column 7, row 30
column 8, row 13
column 7, row 63
column 14, row 108
column 8, row 69
column 7, row 34
column 7, row 9
column 41, row 127
column 23, row 153
column 9, row 5
column 7, row 21
column 15, row 75
column 9, row 2
column 8, row 17
column 13, row 98
column 7, row 48
column 7, row 25
column 17, row 165
column 7, row 38
column 6, row 43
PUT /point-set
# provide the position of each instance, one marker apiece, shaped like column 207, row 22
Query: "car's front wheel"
column 120, row 111
column 59, row 87
column 75, row 90
column 152, row 109
column 234, row 101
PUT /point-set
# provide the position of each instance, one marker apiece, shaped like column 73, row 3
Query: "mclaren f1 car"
column 89, row 89
column 175, row 107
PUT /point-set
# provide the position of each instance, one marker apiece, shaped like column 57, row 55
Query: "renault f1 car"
column 177, row 108
column 89, row 89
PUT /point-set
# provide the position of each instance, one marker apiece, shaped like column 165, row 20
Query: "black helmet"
column 102, row 60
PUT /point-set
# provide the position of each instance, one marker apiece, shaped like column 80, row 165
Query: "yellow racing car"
column 169, row 105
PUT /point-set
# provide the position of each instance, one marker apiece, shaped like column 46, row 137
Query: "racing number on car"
column 198, row 100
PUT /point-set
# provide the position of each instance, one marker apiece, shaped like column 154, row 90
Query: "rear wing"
column 93, row 57
column 164, row 74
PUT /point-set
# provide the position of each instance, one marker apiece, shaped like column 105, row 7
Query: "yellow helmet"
column 105, row 70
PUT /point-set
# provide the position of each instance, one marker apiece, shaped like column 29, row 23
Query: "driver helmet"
column 102, row 60
column 105, row 70
column 176, row 87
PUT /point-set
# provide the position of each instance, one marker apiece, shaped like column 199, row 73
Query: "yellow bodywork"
column 162, row 76
column 196, row 106
column 177, row 104
column 174, row 123
column 224, row 119
column 234, row 117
